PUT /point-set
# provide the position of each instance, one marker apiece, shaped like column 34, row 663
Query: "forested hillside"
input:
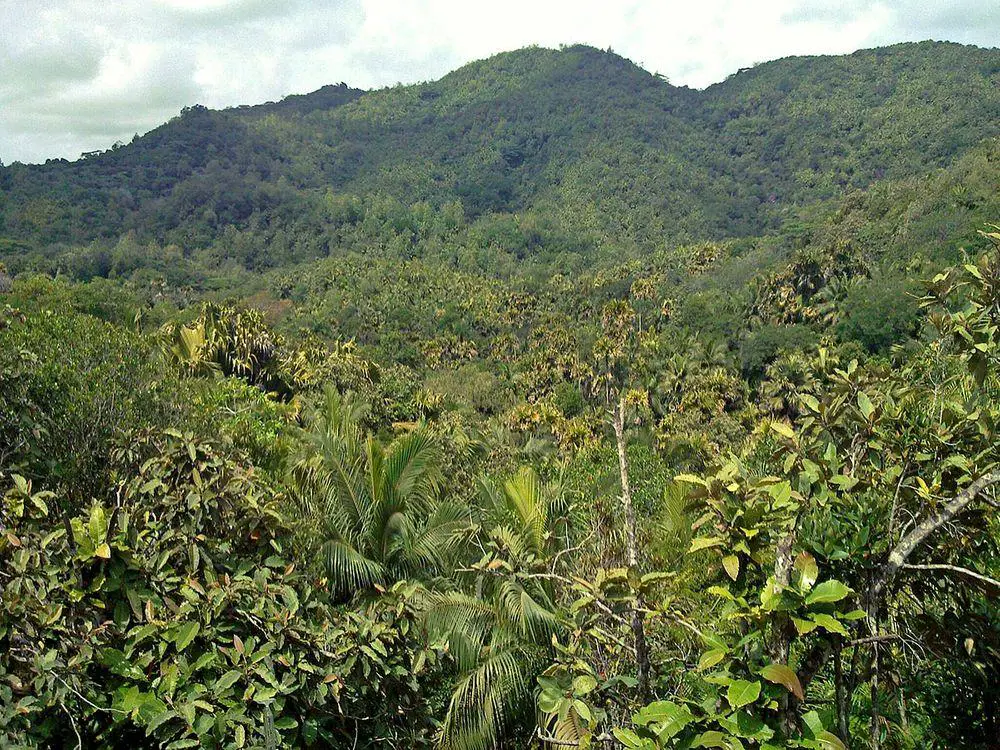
column 546, row 405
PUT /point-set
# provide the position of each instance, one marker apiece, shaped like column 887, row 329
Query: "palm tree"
column 374, row 511
column 501, row 635
column 830, row 301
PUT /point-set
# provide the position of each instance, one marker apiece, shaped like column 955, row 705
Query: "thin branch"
column 72, row 722
column 567, row 550
column 90, row 703
column 873, row 639
column 955, row 569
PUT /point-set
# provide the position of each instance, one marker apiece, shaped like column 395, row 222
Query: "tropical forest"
column 547, row 405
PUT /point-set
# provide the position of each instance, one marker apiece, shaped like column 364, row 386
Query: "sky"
column 78, row 75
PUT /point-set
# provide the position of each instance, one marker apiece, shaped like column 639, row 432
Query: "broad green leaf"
column 98, row 524
column 829, row 741
column 227, row 680
column 856, row 614
column 751, row 727
column 742, row 692
column 185, row 634
column 159, row 720
column 583, row 684
column 704, row 542
column 828, row 591
column 780, row 491
column 746, row 725
column 812, row 722
column 805, row 566
column 627, row 737
column 549, row 702
column 783, row 429
column 810, row 402
column 583, row 710
column 713, row 640
column 832, row 624
column 865, row 405
column 710, row 658
column 711, row 739
column 732, row 565
column 780, row 674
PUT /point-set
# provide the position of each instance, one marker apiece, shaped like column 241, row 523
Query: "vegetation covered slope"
column 546, row 405
column 579, row 136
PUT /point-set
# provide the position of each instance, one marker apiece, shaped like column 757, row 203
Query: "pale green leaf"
column 742, row 692
column 828, row 591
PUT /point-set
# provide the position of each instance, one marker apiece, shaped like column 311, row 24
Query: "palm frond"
column 487, row 702
column 464, row 622
column 349, row 570
column 430, row 547
column 526, row 502
column 411, row 469
column 507, row 538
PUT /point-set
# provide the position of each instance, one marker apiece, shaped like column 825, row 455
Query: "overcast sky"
column 77, row 75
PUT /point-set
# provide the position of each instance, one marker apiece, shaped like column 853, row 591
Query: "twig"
column 873, row 639
column 955, row 569
column 72, row 723
column 90, row 703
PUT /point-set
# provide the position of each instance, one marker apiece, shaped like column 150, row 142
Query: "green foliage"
column 72, row 387
column 173, row 615
column 406, row 319
column 372, row 513
column 763, row 346
column 879, row 313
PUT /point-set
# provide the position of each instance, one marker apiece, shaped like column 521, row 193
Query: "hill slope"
column 588, row 144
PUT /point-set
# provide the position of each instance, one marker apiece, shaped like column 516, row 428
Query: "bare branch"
column 872, row 639
column 955, row 569
column 72, row 721
column 902, row 551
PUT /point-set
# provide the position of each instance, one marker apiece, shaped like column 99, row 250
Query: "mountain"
column 596, row 151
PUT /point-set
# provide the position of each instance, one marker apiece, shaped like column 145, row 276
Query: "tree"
column 500, row 634
column 614, row 353
column 374, row 512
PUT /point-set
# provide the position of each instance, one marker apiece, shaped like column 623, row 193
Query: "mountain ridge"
column 580, row 135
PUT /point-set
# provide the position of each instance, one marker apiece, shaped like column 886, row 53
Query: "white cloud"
column 80, row 74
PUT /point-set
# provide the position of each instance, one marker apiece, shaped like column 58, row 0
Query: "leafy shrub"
column 762, row 347
column 880, row 313
column 169, row 614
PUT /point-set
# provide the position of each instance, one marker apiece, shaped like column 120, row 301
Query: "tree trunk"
column 618, row 420
column 782, row 629
column 876, row 730
column 842, row 697
column 631, row 553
